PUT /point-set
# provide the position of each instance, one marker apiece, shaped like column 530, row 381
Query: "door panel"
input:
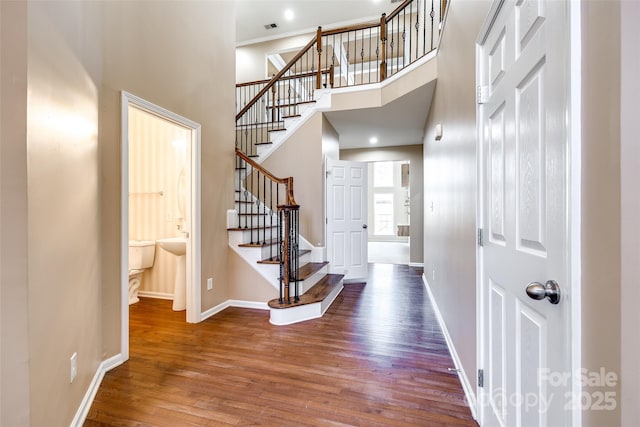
column 346, row 218
column 497, row 190
column 530, row 148
column 523, row 203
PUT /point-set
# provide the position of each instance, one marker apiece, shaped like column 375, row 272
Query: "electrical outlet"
column 73, row 367
column 210, row 283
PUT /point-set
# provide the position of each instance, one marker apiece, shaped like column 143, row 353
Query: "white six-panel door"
column 523, row 129
column 347, row 218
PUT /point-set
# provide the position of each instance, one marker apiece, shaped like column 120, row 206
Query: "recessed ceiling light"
column 373, row 140
column 289, row 15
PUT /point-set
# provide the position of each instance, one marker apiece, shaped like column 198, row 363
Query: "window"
column 383, row 174
column 383, row 214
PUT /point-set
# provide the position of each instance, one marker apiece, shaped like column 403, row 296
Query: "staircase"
column 264, row 228
column 264, row 231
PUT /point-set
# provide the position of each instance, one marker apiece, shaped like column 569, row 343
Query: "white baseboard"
column 232, row 303
column 464, row 379
column 87, row 400
column 248, row 304
column 157, row 295
column 214, row 310
column 416, row 264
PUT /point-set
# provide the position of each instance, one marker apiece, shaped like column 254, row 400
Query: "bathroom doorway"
column 160, row 207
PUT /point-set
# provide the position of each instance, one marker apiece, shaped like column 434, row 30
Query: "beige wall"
column 64, row 74
column 246, row 284
column 450, row 181
column 180, row 71
column 601, row 197
column 414, row 154
column 330, row 140
column 14, row 325
column 66, row 134
column 301, row 158
column 251, row 60
column 630, row 231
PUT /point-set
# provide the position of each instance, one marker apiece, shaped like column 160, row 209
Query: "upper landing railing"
column 356, row 55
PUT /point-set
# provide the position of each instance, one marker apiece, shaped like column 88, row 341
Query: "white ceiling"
column 253, row 15
column 400, row 122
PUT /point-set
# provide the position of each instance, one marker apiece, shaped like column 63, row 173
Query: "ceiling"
column 253, row 15
column 400, row 122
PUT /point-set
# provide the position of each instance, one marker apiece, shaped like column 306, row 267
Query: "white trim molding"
column 464, row 379
column 194, row 249
column 233, row 303
column 156, row 295
column 90, row 395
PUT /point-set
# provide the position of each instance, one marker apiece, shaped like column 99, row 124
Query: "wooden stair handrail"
column 398, row 9
column 317, row 38
column 287, row 182
column 275, row 78
column 354, row 27
column 290, row 77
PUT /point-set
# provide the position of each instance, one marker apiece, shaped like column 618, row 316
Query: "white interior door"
column 525, row 348
column 347, row 218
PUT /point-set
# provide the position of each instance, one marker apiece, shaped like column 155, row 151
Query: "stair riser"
column 239, row 237
column 251, row 208
column 253, row 221
column 308, row 283
column 302, row 313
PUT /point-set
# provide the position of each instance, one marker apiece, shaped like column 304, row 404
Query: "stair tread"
column 291, row 117
column 309, row 269
column 253, row 214
column 277, row 130
column 288, row 105
column 276, row 260
column 263, row 143
column 259, row 244
column 317, row 293
column 259, row 124
column 251, row 228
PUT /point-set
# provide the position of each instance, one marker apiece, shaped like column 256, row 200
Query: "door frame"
column 574, row 214
column 193, row 314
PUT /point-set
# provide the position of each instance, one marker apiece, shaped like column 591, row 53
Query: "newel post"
column 319, row 47
column 383, row 51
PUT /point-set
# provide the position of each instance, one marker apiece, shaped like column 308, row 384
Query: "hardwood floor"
column 377, row 358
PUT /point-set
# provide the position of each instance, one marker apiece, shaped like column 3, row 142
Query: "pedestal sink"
column 178, row 247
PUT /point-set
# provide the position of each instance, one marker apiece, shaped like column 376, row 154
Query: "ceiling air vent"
column 271, row 26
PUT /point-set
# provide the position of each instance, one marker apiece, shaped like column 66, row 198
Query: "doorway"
column 160, row 201
column 389, row 210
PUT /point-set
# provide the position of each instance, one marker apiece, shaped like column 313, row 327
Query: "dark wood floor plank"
column 377, row 358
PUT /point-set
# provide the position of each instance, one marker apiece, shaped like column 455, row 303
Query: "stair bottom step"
column 317, row 293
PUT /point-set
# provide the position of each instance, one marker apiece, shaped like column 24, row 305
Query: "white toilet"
column 141, row 256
